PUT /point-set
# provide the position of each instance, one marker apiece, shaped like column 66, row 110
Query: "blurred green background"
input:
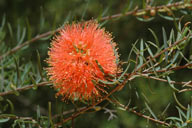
column 43, row 15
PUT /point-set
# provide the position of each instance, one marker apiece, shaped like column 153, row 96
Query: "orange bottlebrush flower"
column 76, row 57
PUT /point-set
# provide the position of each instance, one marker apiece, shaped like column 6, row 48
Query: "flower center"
column 81, row 48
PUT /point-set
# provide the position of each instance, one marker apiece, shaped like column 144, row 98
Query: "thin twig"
column 185, row 90
column 21, row 118
column 74, row 115
column 136, row 12
column 160, row 53
column 171, row 69
column 163, row 80
column 15, row 49
column 67, row 112
column 25, row 88
column 139, row 114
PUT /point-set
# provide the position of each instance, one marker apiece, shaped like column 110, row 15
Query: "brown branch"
column 15, row 49
column 160, row 53
column 170, row 69
column 185, row 90
column 136, row 12
column 68, row 112
column 74, row 115
column 24, row 88
column 129, row 76
column 140, row 114
column 189, row 83
column 161, row 8
column 21, row 118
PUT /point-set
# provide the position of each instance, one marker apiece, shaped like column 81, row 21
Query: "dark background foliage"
column 43, row 15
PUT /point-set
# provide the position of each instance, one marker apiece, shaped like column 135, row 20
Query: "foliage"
column 154, row 89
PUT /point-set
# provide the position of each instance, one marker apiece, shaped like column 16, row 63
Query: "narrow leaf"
column 174, row 118
column 165, row 43
column 100, row 67
column 188, row 113
column 50, row 116
column 150, row 111
column 171, row 84
column 22, row 36
column 128, row 6
column 173, row 60
column 168, row 17
column 10, row 30
column 39, row 64
column 145, row 20
column 18, row 32
column 18, row 72
column 177, row 101
column 38, row 112
column 3, row 22
column 42, row 19
column 29, row 33
column 85, row 10
column 165, row 109
column 141, row 53
column 154, row 36
column 33, row 81
column 3, row 120
column 181, row 112
column 149, row 50
column 11, row 105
